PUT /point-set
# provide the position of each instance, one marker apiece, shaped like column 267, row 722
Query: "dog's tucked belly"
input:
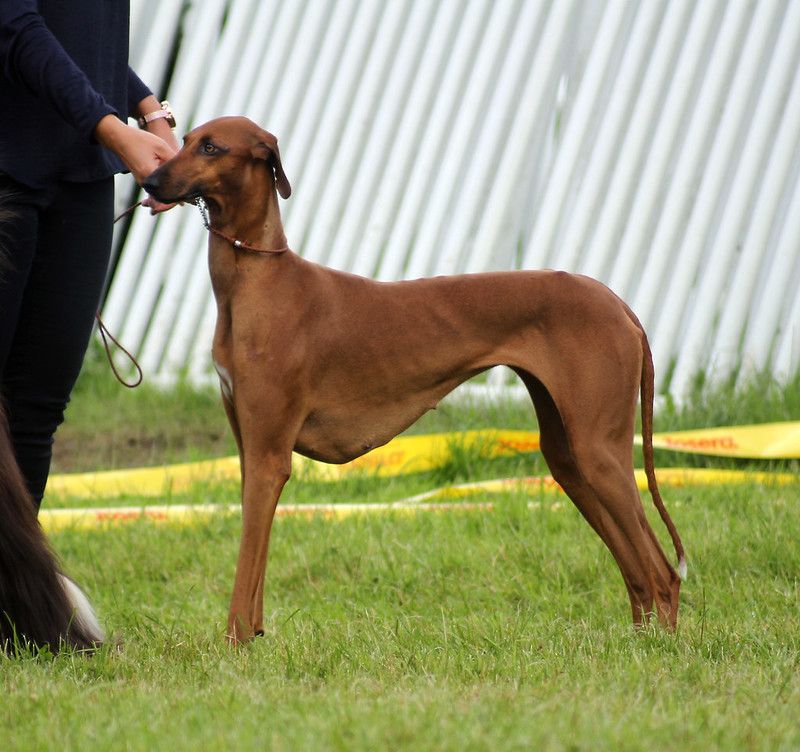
column 335, row 454
column 342, row 432
column 332, row 439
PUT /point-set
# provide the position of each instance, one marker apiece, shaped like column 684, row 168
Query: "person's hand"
column 160, row 128
column 141, row 152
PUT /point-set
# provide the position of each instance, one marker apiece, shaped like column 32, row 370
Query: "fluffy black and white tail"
column 38, row 604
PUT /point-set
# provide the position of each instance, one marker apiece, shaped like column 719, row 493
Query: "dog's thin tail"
column 38, row 605
column 648, row 397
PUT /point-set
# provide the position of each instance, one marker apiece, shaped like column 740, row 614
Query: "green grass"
column 505, row 630
column 760, row 400
column 473, row 630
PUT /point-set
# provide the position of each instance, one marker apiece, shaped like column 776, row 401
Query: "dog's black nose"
column 151, row 183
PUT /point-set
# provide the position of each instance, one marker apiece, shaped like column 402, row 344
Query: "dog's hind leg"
column 605, row 493
column 651, row 576
column 558, row 455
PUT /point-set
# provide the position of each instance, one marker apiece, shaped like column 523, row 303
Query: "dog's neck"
column 264, row 230
column 230, row 266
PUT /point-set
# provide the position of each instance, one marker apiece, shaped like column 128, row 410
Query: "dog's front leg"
column 262, row 486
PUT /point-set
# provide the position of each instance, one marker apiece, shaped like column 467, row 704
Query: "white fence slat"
column 787, row 359
column 495, row 243
column 682, row 311
column 195, row 286
column 155, row 44
column 583, row 213
column 426, row 159
column 281, row 82
column 173, row 299
column 650, row 182
column 355, row 131
column 296, row 146
column 248, row 74
column 551, row 210
column 372, row 156
column 460, row 145
column 151, row 279
column 771, row 326
column 301, row 210
column 749, row 267
column 401, row 163
column 724, row 252
column 641, row 122
column 660, row 268
column 480, row 155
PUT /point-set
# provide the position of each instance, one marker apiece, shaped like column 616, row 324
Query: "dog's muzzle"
column 154, row 185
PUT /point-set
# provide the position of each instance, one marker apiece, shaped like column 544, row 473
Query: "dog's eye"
column 209, row 148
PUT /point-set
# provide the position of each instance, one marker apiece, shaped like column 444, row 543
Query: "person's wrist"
column 148, row 104
column 109, row 130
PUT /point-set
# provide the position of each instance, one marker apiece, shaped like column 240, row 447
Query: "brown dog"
column 332, row 365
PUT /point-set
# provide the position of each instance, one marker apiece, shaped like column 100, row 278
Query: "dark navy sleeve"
column 137, row 91
column 30, row 56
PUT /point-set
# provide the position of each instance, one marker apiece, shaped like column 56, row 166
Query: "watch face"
column 170, row 117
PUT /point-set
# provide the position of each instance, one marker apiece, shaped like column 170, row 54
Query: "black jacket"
column 63, row 66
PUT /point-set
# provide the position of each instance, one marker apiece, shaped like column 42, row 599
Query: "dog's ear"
column 267, row 149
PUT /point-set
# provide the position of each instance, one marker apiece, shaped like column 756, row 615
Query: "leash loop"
column 103, row 329
column 105, row 334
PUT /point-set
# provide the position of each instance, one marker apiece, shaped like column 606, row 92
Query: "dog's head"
column 217, row 161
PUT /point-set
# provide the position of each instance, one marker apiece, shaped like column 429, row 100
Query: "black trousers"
column 57, row 244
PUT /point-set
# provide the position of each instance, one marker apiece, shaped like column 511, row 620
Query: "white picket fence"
column 654, row 145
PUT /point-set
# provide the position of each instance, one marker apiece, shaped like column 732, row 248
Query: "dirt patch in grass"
column 108, row 427
column 77, row 450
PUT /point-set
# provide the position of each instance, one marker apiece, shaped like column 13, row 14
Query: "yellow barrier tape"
column 145, row 481
column 764, row 441
column 186, row 514
column 668, row 477
column 411, row 454
column 403, row 455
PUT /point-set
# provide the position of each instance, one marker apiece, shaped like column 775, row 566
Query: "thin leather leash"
column 105, row 334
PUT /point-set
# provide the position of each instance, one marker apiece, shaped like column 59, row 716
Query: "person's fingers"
column 146, row 153
column 164, row 150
